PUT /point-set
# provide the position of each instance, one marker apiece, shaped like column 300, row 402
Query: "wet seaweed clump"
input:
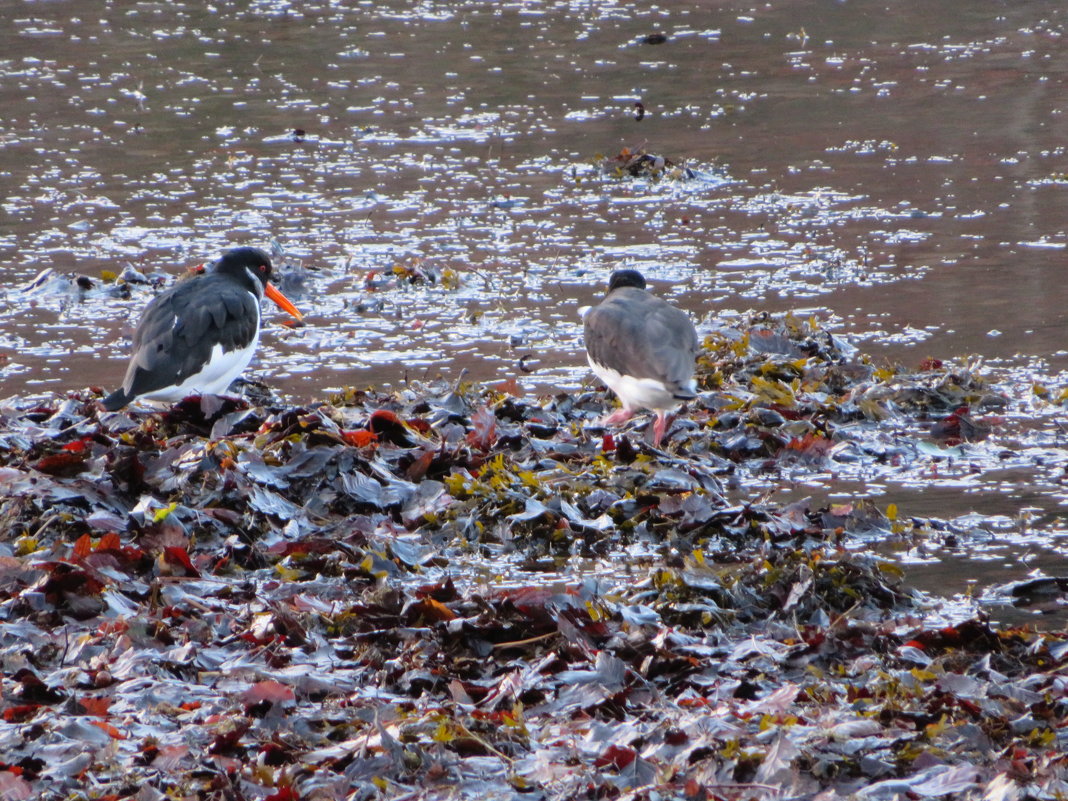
column 451, row 590
column 639, row 163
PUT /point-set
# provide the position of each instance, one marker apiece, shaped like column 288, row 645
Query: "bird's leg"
column 659, row 427
column 618, row 416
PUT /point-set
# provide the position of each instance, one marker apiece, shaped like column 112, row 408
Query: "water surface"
column 431, row 170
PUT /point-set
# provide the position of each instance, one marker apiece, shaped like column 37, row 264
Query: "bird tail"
column 116, row 400
column 687, row 391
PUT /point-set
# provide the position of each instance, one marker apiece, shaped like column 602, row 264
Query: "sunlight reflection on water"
column 899, row 175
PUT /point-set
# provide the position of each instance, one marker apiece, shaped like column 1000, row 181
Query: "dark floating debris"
column 640, row 164
column 474, row 590
column 654, row 38
column 50, row 282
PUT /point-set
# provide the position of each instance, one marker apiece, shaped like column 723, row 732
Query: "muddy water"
column 900, row 171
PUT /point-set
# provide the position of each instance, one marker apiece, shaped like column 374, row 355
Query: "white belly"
column 215, row 377
column 635, row 393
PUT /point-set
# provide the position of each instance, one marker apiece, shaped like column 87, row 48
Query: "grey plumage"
column 638, row 334
column 644, row 348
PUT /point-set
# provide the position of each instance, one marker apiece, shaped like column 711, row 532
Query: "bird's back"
column 638, row 334
column 181, row 327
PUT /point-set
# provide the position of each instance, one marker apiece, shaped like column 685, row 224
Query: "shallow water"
column 902, row 174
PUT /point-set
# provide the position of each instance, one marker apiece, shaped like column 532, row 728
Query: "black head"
column 621, row 278
column 241, row 262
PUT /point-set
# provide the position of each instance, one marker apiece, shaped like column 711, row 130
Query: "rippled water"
column 900, row 172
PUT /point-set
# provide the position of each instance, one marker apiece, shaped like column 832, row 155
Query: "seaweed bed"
column 454, row 591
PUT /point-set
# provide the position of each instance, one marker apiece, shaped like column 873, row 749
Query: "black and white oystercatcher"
column 198, row 336
column 643, row 348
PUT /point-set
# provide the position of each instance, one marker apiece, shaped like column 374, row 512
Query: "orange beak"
column 281, row 300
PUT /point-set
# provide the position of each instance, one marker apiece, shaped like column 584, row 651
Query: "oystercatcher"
column 643, row 348
column 198, row 336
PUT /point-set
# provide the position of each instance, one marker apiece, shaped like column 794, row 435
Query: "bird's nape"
column 622, row 278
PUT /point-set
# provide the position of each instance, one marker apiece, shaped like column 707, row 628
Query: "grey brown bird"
column 643, row 348
column 199, row 335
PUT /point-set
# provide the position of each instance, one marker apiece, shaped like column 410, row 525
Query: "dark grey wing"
column 179, row 329
column 674, row 343
column 638, row 334
column 226, row 315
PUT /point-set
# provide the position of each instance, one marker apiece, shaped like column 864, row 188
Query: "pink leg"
column 659, row 427
column 617, row 417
